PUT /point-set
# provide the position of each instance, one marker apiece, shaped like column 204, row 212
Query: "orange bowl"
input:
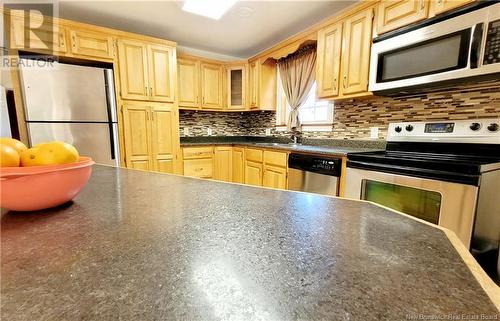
column 39, row 187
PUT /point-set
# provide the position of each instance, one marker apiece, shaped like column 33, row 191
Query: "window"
column 315, row 113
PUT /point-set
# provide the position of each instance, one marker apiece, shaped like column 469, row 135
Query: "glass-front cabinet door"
column 236, row 81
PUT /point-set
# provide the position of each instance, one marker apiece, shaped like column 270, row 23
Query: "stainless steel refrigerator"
column 75, row 104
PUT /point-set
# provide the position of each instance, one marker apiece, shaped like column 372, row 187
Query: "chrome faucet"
column 294, row 139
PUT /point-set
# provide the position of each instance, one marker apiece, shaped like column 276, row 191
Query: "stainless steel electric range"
column 446, row 173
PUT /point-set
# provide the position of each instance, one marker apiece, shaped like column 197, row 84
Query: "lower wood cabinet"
column 274, row 177
column 223, row 163
column 253, row 173
column 201, row 168
column 151, row 136
column 238, row 165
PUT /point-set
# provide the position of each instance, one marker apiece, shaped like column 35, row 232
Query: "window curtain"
column 297, row 73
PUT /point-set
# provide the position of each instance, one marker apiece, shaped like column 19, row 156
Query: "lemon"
column 14, row 143
column 9, row 157
column 28, row 157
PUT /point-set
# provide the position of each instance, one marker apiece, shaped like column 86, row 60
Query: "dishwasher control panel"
column 315, row 164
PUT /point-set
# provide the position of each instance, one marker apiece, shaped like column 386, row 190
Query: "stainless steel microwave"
column 446, row 51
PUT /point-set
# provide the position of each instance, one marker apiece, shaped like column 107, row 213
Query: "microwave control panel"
column 492, row 48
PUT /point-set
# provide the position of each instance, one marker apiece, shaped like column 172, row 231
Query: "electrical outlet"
column 374, row 132
column 268, row 131
column 209, row 131
column 186, row 131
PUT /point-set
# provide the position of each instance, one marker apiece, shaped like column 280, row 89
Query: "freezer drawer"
column 96, row 140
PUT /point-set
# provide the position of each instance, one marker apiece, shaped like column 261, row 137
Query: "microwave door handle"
column 475, row 47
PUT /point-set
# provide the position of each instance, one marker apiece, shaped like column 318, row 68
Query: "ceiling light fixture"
column 214, row 9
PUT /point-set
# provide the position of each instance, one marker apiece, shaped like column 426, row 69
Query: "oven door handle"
column 417, row 172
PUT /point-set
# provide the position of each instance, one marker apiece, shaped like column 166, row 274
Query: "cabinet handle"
column 422, row 5
column 74, row 41
column 198, row 169
column 147, row 90
column 151, row 91
column 334, row 83
column 344, row 81
column 147, row 115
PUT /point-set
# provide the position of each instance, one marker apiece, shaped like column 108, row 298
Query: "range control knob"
column 493, row 127
column 409, row 128
column 398, row 129
column 475, row 126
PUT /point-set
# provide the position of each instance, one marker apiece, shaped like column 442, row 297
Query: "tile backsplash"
column 353, row 118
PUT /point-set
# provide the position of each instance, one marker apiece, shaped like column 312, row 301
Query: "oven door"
column 450, row 205
column 441, row 52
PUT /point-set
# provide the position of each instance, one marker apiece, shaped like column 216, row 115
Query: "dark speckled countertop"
column 146, row 246
column 331, row 147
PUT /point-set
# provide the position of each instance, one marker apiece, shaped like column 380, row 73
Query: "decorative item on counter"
column 44, row 176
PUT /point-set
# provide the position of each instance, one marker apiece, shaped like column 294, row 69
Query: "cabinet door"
column 328, row 62
column 132, row 63
column 238, row 165
column 440, row 6
column 393, row 14
column 254, row 84
column 137, row 133
column 162, row 138
column 49, row 37
column 236, row 84
column 161, row 73
column 274, row 177
column 253, row 173
column 91, row 44
column 188, row 82
column 356, row 52
column 223, row 170
column 211, row 86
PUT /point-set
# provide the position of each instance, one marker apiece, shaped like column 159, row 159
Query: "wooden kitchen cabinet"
column 223, row 163
column 357, row 38
column 189, row 81
column 161, row 62
column 274, row 177
column 200, row 168
column 393, row 14
column 51, row 37
column 329, row 50
column 151, row 136
column 262, row 84
column 211, row 86
column 137, row 132
column 236, row 87
column 238, row 167
column 440, row 6
column 146, row 71
column 91, row 44
column 253, row 173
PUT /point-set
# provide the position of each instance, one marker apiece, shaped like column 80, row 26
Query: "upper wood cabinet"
column 147, row 71
column 329, row 50
column 91, row 44
column 211, row 86
column 236, row 87
column 440, row 6
column 50, row 37
column 223, row 165
column 188, row 82
column 262, row 84
column 393, row 14
column 151, row 136
column 357, row 39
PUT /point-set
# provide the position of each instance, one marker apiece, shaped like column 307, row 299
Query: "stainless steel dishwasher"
column 314, row 174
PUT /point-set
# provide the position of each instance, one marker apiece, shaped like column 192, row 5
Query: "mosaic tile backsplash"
column 353, row 118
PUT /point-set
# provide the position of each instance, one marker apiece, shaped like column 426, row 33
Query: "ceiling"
column 246, row 29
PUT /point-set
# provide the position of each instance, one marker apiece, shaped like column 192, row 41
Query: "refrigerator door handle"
column 110, row 94
column 113, row 142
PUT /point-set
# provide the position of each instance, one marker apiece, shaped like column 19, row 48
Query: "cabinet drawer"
column 275, row 158
column 201, row 168
column 197, row 152
column 254, row 155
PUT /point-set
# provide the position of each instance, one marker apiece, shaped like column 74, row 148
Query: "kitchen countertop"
column 314, row 146
column 138, row 245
